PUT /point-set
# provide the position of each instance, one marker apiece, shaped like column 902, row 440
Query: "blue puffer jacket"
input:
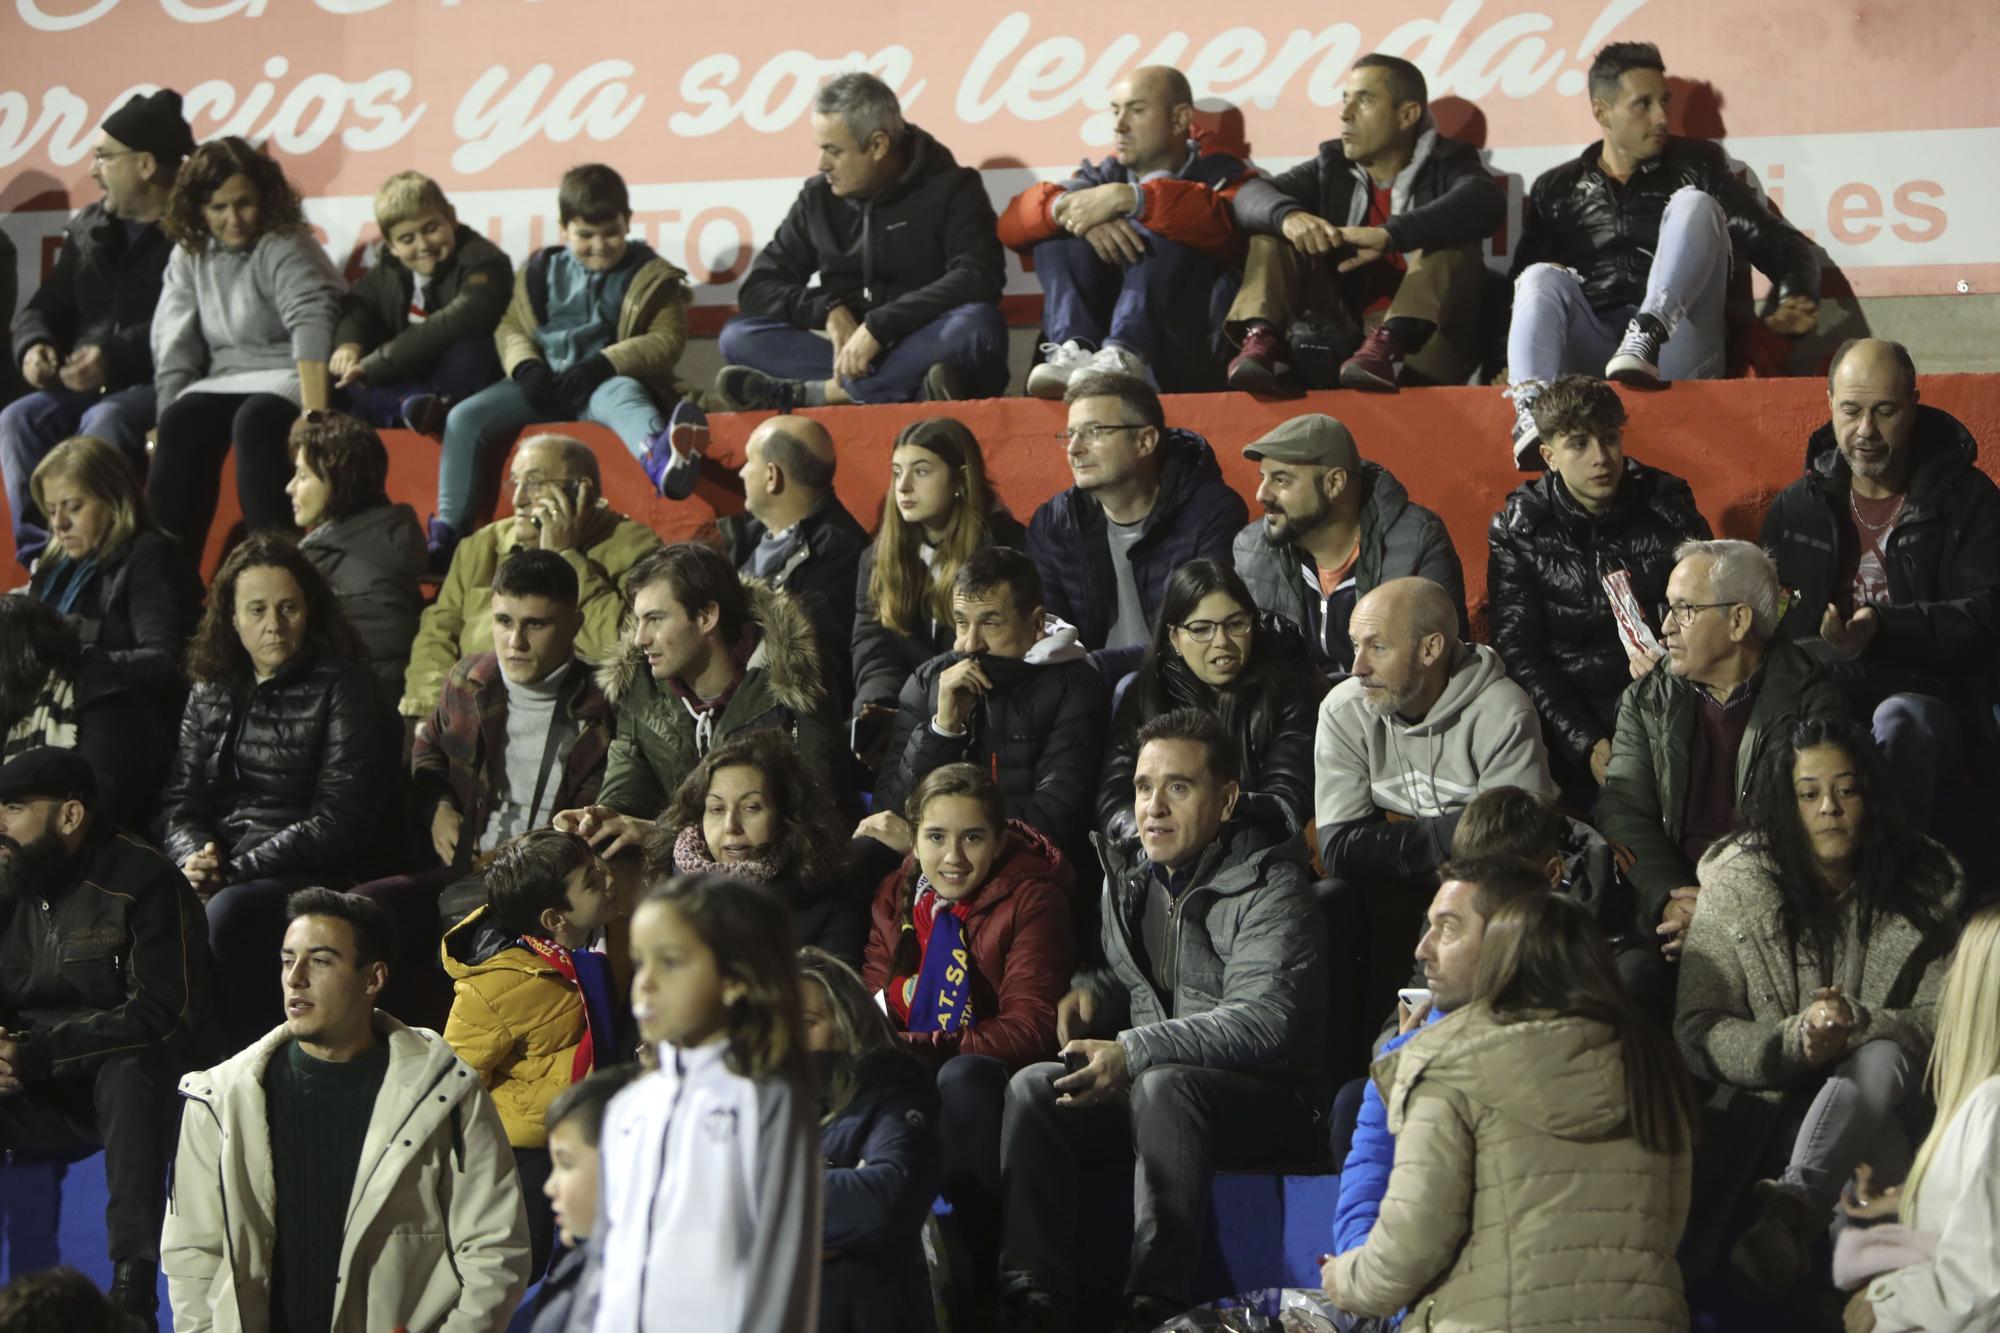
column 882, row 1171
column 1364, row 1176
column 1197, row 514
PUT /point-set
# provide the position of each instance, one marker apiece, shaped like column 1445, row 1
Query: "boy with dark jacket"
column 593, row 333
column 416, row 332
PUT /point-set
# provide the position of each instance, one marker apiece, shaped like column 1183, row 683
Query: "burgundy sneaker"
column 1376, row 367
column 1257, row 367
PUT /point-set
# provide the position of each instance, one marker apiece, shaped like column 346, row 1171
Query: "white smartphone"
column 1413, row 996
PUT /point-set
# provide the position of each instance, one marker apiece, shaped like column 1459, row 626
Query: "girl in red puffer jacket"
column 971, row 947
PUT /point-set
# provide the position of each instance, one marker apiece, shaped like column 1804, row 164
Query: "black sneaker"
column 1774, row 1253
column 1637, row 360
column 424, row 413
column 943, row 383
column 744, row 389
column 1145, row 1313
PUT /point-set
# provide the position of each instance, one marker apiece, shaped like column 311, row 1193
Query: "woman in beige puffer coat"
column 1542, row 1150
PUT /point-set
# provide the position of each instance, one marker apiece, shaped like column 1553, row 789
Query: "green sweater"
column 319, row 1113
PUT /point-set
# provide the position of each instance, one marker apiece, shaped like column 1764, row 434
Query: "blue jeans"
column 1920, row 737
column 1556, row 331
column 972, row 337
column 478, row 431
column 467, row 366
column 1161, row 308
column 30, row 427
column 1855, row 1118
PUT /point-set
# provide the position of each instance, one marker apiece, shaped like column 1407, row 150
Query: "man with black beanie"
column 83, row 338
column 103, row 989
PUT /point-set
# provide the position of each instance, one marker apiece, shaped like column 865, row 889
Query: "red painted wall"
column 1737, row 442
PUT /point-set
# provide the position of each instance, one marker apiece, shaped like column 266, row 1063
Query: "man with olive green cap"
column 1334, row 527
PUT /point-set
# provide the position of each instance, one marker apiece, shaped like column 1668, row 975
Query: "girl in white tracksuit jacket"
column 710, row 1210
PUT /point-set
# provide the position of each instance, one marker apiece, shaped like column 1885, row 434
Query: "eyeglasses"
column 1683, row 613
column 1236, row 627
column 1089, row 434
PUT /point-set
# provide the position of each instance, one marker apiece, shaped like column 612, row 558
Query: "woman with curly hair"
column 285, row 774
column 750, row 809
column 240, row 341
column 939, row 510
column 110, row 571
column 1809, row 990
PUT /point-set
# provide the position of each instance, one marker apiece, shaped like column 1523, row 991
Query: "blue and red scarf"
column 939, row 997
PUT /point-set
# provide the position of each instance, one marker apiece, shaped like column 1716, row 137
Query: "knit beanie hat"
column 152, row 125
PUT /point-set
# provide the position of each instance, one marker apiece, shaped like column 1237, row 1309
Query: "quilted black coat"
column 291, row 775
column 1552, row 624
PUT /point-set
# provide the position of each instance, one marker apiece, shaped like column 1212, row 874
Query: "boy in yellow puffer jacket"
column 532, row 1009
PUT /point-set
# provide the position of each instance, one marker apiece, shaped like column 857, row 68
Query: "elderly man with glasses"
column 1693, row 729
column 1146, row 500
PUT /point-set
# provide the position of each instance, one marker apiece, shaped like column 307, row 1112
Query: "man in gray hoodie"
column 1425, row 723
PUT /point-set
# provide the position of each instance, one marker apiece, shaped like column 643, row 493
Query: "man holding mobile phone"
column 558, row 506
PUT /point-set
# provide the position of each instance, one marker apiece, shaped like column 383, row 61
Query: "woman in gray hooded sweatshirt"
column 240, row 340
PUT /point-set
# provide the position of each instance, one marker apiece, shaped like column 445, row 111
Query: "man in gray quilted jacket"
column 1199, row 1044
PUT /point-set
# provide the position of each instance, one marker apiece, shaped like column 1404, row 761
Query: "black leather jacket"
column 1273, row 712
column 1579, row 217
column 292, row 775
column 112, row 961
column 1546, row 561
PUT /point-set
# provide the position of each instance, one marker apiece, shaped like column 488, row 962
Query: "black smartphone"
column 572, row 489
column 1071, row 1062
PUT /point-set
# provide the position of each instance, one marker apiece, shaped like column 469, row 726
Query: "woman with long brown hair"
column 1543, row 1142
column 939, row 510
column 240, row 341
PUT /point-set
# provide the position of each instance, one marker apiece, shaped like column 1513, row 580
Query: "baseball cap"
column 48, row 771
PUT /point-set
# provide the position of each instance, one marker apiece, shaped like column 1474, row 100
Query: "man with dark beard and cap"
column 1334, row 528
column 84, row 338
column 103, row 988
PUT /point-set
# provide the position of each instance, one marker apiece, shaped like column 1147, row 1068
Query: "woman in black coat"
column 751, row 809
column 1214, row 650
column 286, row 770
column 114, row 575
column 1592, row 513
column 56, row 691
column 879, row 1137
column 939, row 510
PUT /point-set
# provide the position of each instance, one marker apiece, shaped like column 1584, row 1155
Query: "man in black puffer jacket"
column 1550, row 547
column 103, row 997
column 1890, row 548
column 1634, row 236
column 904, row 244
column 1385, row 226
column 1014, row 696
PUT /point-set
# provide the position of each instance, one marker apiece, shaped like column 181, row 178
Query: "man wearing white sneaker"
column 1625, row 250
column 1131, row 250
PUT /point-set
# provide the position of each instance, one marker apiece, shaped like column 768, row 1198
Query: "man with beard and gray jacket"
column 1199, row 1044
column 344, row 1171
column 1424, row 724
column 1334, row 528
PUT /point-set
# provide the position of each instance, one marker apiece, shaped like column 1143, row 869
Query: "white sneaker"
column 1115, row 360
column 1059, row 362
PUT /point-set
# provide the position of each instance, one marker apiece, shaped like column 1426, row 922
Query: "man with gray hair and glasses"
column 902, row 240
column 1692, row 731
